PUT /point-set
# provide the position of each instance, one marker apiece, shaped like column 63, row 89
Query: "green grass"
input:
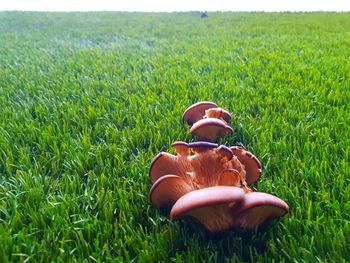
column 88, row 99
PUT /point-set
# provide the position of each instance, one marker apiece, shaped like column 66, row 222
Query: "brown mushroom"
column 207, row 121
column 230, row 177
column 196, row 111
column 251, row 163
column 163, row 164
column 200, row 164
column 255, row 208
column 218, row 113
column 210, row 129
column 168, row 189
column 210, row 206
column 181, row 148
column 199, row 147
column 208, row 182
column 233, row 177
column 225, row 152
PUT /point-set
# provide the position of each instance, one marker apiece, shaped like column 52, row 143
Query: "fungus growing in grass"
column 196, row 111
column 207, row 120
column 255, row 208
column 251, row 163
column 210, row 184
column 218, row 113
column 210, row 129
column 168, row 189
column 210, row 206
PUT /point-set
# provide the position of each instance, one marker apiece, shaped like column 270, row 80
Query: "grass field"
column 88, row 99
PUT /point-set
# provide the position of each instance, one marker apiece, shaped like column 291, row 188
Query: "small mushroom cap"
column 218, row 113
column 210, row 129
column 226, row 115
column 198, row 147
column 163, row 164
column 167, row 190
column 225, row 151
column 181, row 148
column 251, row 163
column 256, row 208
column 210, row 206
column 196, row 111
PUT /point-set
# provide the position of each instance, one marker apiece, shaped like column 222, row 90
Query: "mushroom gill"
column 256, row 207
column 199, row 164
column 210, row 206
column 168, row 189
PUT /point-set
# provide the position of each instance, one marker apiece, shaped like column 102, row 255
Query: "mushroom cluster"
column 211, row 183
column 207, row 121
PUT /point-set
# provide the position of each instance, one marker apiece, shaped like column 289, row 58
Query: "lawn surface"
column 88, row 99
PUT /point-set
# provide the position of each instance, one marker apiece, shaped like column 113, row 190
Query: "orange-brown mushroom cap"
column 225, row 151
column 251, row 163
column 168, row 189
column 218, row 113
column 199, row 147
column 210, row 206
column 226, row 116
column 255, row 208
column 163, row 164
column 196, row 111
column 181, row 148
column 210, row 129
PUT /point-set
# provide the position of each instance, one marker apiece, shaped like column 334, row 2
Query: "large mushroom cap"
column 256, row 208
column 251, row 163
column 210, row 206
column 196, row 111
column 168, row 189
column 210, row 129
